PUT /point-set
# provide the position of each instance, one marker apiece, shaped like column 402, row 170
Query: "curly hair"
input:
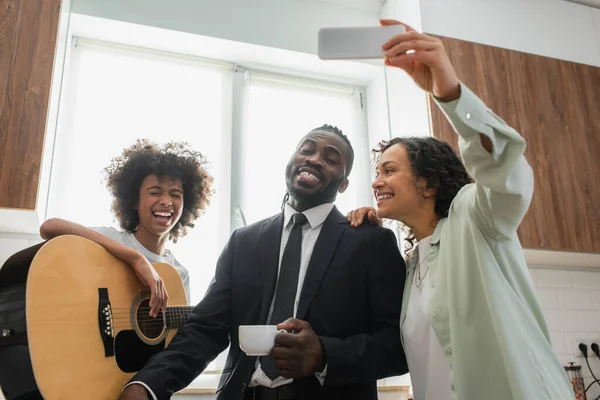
column 175, row 160
column 440, row 166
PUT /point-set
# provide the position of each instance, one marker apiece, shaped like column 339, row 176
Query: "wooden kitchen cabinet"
column 28, row 33
column 555, row 105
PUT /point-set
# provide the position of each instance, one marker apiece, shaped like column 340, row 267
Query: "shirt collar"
column 315, row 216
column 437, row 233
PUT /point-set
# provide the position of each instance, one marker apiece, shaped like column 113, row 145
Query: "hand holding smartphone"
column 355, row 42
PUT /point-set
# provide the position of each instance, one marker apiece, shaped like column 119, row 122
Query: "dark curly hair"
column 175, row 160
column 440, row 166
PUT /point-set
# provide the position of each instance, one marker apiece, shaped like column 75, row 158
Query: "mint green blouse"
column 483, row 304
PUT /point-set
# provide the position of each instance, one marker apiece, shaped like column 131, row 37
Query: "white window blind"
column 276, row 115
column 119, row 95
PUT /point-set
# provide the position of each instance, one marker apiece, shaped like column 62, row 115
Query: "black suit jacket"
column 351, row 296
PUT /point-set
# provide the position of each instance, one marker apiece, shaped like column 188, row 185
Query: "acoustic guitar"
column 88, row 323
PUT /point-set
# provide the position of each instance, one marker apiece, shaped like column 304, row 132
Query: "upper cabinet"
column 28, row 33
column 555, row 105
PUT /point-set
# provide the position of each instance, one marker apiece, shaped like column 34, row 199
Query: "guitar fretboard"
column 177, row 315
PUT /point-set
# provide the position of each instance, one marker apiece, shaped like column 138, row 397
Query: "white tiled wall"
column 571, row 303
column 11, row 243
column 570, row 299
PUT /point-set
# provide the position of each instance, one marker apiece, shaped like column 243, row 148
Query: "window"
column 120, row 95
column 277, row 114
column 117, row 94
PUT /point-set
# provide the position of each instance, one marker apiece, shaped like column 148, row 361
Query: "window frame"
column 240, row 71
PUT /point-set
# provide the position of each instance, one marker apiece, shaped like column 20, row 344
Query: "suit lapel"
column 331, row 232
column 268, row 259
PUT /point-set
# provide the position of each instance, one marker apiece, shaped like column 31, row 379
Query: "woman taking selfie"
column 471, row 325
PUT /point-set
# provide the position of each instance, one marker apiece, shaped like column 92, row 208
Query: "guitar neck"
column 176, row 316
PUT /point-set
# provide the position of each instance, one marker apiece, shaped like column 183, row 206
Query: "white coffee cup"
column 258, row 340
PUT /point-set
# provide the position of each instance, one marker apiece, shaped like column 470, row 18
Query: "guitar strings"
column 170, row 308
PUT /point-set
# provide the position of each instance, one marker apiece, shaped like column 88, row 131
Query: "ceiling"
column 365, row 5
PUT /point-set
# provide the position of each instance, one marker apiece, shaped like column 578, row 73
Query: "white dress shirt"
column 430, row 373
column 316, row 216
column 310, row 233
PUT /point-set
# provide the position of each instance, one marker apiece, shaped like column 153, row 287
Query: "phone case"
column 355, row 42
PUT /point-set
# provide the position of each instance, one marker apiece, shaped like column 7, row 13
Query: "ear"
column 344, row 186
column 429, row 192
column 424, row 190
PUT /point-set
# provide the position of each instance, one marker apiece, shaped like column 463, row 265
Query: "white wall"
column 10, row 243
column 28, row 221
column 571, row 304
column 407, row 103
column 285, row 24
column 551, row 28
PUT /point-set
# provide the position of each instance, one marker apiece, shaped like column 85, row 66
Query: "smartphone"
column 355, row 42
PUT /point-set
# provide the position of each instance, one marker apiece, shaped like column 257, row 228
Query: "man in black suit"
column 342, row 285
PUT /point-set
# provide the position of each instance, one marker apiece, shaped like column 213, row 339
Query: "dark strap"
column 16, row 268
column 13, row 325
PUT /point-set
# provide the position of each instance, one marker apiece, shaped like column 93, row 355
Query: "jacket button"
column 468, row 116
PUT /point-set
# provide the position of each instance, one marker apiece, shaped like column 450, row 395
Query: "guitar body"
column 88, row 326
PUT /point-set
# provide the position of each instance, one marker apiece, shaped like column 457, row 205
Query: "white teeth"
column 309, row 176
column 384, row 196
column 162, row 214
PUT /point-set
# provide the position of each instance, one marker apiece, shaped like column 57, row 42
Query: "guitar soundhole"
column 150, row 327
column 131, row 353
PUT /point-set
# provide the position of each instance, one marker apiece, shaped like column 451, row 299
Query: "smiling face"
column 395, row 186
column 317, row 170
column 160, row 204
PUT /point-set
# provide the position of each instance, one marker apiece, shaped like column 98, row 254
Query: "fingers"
column 406, row 61
column 408, row 66
column 360, row 216
column 350, row 216
column 155, row 300
column 165, row 298
column 353, row 217
column 414, row 45
column 356, row 217
column 387, row 22
column 288, row 339
column 293, row 325
column 158, row 298
column 373, row 218
column 282, row 353
column 407, row 37
column 285, row 358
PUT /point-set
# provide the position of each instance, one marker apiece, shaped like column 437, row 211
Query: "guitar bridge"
column 105, row 322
